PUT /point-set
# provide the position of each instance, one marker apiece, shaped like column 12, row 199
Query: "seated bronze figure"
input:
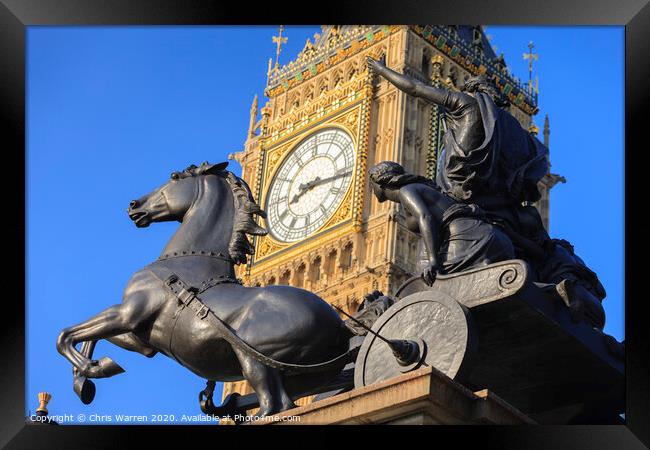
column 489, row 160
column 456, row 236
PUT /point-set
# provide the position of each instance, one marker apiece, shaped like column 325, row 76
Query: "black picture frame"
column 16, row 15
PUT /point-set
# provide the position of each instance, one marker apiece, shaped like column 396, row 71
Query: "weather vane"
column 530, row 56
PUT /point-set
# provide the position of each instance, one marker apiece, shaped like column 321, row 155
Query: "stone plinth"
column 425, row 396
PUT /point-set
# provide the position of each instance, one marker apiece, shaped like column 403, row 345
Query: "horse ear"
column 207, row 169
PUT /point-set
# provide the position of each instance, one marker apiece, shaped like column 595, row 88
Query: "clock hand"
column 318, row 181
column 309, row 185
column 304, row 188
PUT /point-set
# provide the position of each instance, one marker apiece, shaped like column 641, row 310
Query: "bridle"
column 207, row 253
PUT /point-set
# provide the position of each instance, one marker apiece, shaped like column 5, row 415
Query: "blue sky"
column 112, row 111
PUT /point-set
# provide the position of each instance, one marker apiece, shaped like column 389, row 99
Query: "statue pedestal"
column 422, row 397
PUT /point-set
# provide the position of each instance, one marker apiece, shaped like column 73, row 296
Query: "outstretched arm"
column 409, row 85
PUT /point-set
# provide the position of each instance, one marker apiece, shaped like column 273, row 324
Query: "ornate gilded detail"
column 362, row 154
column 274, row 158
column 348, row 120
column 257, row 189
column 313, row 61
column 435, row 119
column 326, row 105
column 266, row 246
column 267, row 261
column 342, row 213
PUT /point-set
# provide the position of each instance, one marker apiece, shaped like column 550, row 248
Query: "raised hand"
column 405, row 83
column 374, row 65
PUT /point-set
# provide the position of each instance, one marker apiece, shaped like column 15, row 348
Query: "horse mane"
column 244, row 219
column 245, row 209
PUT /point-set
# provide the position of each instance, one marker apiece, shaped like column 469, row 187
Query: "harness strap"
column 187, row 297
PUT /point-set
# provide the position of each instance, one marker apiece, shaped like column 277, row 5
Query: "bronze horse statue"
column 189, row 306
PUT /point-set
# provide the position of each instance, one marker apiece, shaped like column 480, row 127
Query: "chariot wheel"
column 438, row 331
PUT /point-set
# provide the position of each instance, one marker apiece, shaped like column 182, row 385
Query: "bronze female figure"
column 456, row 236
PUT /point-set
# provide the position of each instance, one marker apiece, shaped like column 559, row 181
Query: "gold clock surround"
column 349, row 113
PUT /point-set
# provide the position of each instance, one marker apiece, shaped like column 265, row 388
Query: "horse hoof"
column 85, row 389
column 108, row 367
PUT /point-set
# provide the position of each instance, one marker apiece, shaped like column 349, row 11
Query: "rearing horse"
column 282, row 323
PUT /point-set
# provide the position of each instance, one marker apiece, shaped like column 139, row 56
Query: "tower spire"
column 547, row 131
column 253, row 117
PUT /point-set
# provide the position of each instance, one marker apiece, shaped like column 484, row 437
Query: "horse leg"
column 84, row 387
column 114, row 321
column 132, row 342
column 127, row 341
column 267, row 384
column 281, row 392
column 87, row 349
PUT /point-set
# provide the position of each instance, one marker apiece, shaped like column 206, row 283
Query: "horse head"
column 196, row 192
column 173, row 199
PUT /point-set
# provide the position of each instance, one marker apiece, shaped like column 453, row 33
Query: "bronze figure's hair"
column 390, row 175
column 482, row 84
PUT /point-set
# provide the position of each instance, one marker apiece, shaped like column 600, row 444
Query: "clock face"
column 310, row 185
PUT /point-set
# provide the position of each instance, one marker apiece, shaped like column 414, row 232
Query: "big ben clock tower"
column 327, row 120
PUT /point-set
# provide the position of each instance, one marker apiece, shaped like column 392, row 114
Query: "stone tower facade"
column 363, row 245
